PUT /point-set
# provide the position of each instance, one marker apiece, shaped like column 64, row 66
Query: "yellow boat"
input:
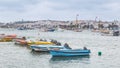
column 1, row 40
column 39, row 43
column 6, row 39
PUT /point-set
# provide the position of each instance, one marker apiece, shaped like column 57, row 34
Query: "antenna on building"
column 77, row 18
column 96, row 19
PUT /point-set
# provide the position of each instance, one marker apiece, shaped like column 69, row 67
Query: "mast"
column 77, row 18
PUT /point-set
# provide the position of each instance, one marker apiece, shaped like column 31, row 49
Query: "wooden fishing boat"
column 46, row 47
column 26, row 42
column 39, row 43
column 20, row 42
column 70, row 52
column 12, row 36
column 7, row 38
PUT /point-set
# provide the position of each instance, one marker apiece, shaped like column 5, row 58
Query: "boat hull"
column 39, row 43
column 7, row 38
column 46, row 48
column 70, row 52
column 20, row 42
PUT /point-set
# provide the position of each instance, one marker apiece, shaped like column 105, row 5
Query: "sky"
column 16, row 10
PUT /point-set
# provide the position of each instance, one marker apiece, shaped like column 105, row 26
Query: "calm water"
column 16, row 56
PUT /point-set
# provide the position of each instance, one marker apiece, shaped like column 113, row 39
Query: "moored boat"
column 39, row 43
column 7, row 38
column 70, row 52
column 20, row 42
column 46, row 47
column 49, row 30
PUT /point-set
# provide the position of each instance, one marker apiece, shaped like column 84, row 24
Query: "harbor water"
column 16, row 56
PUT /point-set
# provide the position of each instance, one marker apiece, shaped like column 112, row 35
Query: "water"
column 16, row 56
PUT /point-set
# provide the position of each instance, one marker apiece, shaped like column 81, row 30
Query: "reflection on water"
column 19, row 45
column 39, row 53
column 70, row 58
column 69, row 62
column 76, row 59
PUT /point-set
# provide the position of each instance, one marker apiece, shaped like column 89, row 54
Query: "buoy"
column 99, row 53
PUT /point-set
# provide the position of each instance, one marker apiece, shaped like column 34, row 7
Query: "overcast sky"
column 15, row 10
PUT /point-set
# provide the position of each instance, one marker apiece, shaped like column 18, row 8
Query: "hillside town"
column 76, row 25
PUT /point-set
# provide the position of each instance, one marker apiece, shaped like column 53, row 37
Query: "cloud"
column 12, row 10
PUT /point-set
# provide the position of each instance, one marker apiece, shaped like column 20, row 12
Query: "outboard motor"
column 67, row 46
column 116, row 33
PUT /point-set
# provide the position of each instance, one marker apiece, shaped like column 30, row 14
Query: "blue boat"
column 46, row 48
column 70, row 52
column 51, row 30
column 21, row 28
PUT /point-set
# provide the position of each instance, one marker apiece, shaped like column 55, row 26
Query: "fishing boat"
column 12, row 35
column 46, row 48
column 30, row 42
column 39, row 43
column 49, row 30
column 7, row 38
column 78, row 30
column 70, row 52
column 20, row 42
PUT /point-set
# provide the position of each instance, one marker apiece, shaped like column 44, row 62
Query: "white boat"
column 46, row 47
